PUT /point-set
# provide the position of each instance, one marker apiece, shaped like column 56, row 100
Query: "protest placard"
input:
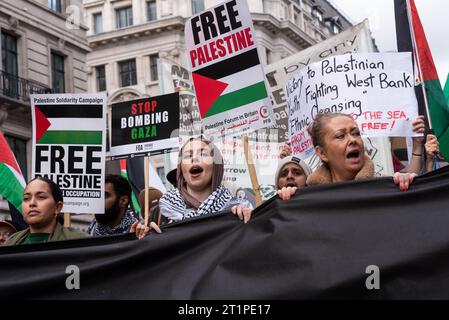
column 377, row 89
column 355, row 39
column 175, row 78
column 226, row 70
column 69, row 145
column 145, row 127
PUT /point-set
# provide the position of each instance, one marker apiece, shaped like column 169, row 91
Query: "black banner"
column 331, row 241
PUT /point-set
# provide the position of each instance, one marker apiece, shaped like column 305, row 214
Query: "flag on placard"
column 55, row 125
column 229, row 84
column 135, row 191
column 412, row 38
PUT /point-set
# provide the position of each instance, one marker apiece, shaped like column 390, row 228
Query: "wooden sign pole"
column 252, row 171
column 146, row 204
column 67, row 220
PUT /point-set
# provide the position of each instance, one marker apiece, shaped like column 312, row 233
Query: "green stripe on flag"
column 10, row 187
column 439, row 114
column 439, row 111
column 71, row 137
column 446, row 90
column 238, row 98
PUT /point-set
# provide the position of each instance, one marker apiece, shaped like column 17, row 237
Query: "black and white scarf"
column 97, row 229
column 173, row 206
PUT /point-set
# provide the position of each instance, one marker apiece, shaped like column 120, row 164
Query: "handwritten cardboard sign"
column 377, row 89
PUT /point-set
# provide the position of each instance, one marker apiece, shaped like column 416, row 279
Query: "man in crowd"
column 118, row 216
column 6, row 230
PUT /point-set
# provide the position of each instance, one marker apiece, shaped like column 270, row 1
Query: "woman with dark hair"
column 200, row 191
column 42, row 203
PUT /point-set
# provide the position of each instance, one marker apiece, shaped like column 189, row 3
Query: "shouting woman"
column 200, row 190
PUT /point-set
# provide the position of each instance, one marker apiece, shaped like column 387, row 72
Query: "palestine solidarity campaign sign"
column 144, row 127
column 226, row 70
column 69, row 145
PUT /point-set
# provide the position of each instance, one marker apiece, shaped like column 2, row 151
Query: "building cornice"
column 286, row 27
column 40, row 23
column 141, row 30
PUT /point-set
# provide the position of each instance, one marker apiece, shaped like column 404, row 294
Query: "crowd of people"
column 199, row 189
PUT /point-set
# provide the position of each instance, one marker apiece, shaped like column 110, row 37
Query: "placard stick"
column 146, row 204
column 252, row 171
column 67, row 220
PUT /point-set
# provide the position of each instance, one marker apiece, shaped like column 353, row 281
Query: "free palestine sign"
column 227, row 74
column 69, row 146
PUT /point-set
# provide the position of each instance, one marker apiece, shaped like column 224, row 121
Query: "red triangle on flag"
column 6, row 155
column 207, row 91
column 42, row 124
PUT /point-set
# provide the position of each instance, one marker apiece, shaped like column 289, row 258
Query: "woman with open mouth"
column 337, row 141
column 42, row 203
column 200, row 190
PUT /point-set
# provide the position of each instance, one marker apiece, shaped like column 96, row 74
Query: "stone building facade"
column 41, row 52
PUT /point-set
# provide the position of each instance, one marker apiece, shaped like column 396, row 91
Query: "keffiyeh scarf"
column 174, row 207
column 97, row 229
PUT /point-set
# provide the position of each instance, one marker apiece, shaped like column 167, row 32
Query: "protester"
column 291, row 174
column 338, row 143
column 118, row 216
column 200, row 191
column 42, row 203
column 6, row 231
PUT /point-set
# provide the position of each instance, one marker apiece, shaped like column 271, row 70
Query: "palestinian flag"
column 414, row 40
column 12, row 182
column 135, row 190
column 68, row 124
column 446, row 89
column 229, row 84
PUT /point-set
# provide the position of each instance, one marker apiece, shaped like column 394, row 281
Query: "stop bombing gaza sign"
column 228, row 77
column 69, row 146
column 143, row 127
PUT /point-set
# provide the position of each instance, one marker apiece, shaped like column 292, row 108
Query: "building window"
column 101, row 78
column 128, row 75
column 336, row 29
column 268, row 54
column 98, row 22
column 197, row 6
column 55, row 5
column 58, row 73
column 153, row 67
column 9, row 54
column 284, row 12
column 124, row 17
column 19, row 148
column 317, row 12
column 151, row 10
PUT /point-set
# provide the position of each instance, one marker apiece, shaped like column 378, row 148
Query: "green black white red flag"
column 12, row 182
column 411, row 37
